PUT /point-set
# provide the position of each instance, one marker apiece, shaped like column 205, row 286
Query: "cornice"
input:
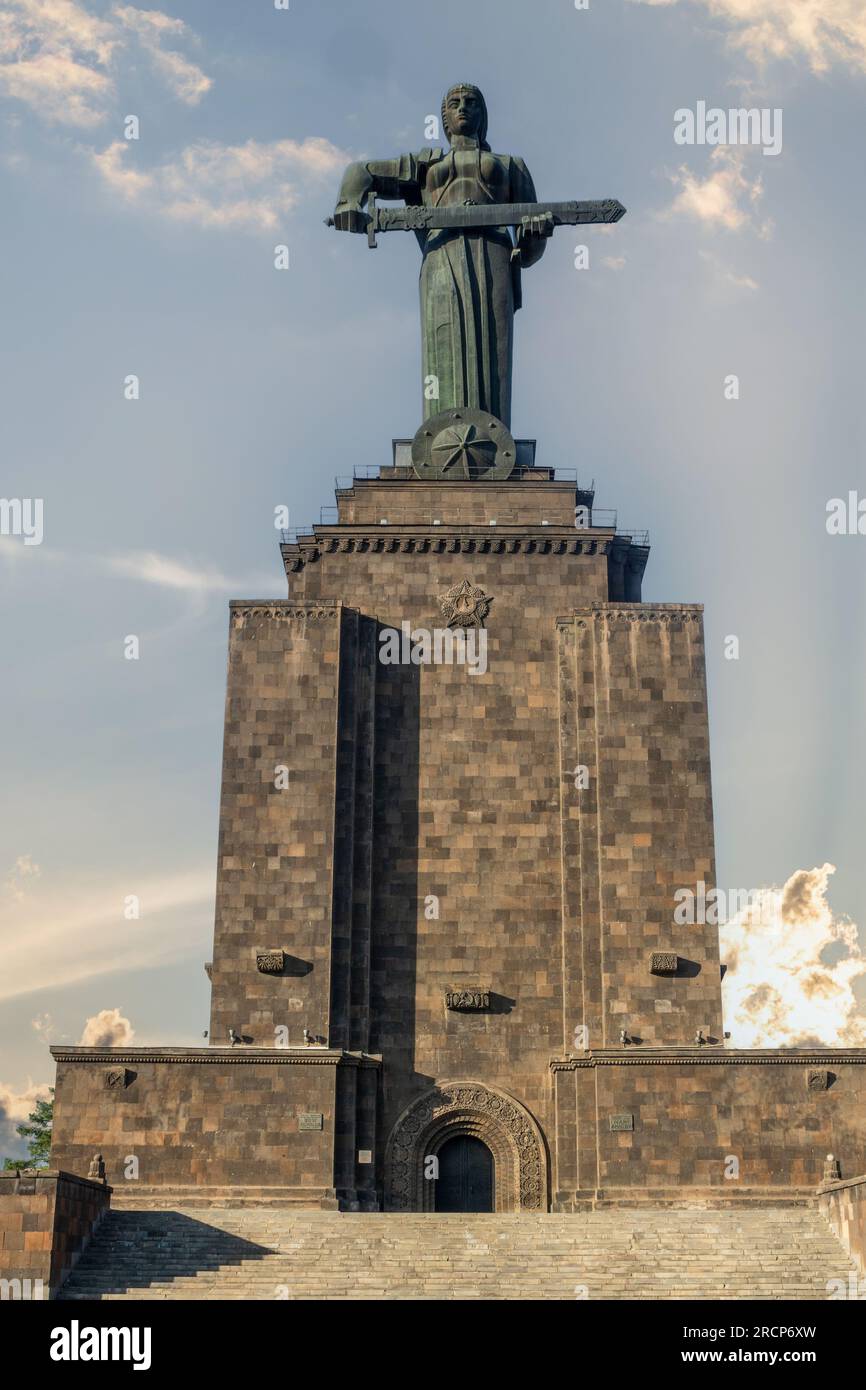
column 463, row 540
column 600, row 613
column 710, row 1056
column 241, row 609
column 239, row 1055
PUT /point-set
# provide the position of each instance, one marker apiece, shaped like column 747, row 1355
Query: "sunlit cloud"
column 208, row 184
column 108, row 1028
column 780, row 988
column 726, row 199
column 824, row 33
column 16, row 1106
column 77, row 928
column 61, row 60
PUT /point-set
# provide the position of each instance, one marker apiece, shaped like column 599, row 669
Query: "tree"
column 37, row 1132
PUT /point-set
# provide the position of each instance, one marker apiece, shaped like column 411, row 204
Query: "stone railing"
column 46, row 1219
column 844, row 1205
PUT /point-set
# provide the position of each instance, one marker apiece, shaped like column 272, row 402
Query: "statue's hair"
column 466, row 87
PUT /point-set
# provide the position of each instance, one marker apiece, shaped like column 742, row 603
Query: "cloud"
column 724, row 273
column 108, row 1028
column 823, row 32
column 726, row 198
column 187, row 81
column 15, row 1108
column 20, row 876
column 149, row 567
column 76, row 929
column 144, row 567
column 779, row 990
column 60, row 59
column 208, row 184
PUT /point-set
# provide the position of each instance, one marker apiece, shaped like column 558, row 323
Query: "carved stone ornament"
column 465, row 605
column 817, row 1079
column 663, row 963
column 117, row 1079
column 490, row 1115
column 272, row 962
column 467, row 999
column 464, row 445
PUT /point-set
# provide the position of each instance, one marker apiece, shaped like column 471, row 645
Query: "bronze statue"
column 470, row 273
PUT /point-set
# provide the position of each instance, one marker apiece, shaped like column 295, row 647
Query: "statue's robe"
column 470, row 281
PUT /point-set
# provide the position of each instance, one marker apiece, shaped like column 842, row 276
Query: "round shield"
column 464, row 445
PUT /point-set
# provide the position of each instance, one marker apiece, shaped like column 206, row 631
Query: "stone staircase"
column 769, row 1253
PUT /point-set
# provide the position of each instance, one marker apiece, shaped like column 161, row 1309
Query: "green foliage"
column 37, row 1132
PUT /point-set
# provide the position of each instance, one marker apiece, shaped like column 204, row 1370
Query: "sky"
column 154, row 258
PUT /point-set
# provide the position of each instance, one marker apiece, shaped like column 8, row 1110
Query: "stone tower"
column 466, row 873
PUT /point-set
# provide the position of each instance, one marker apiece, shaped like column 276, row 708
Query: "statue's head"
column 464, row 112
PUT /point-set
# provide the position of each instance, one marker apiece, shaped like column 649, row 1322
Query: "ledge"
column 713, row 1054
column 239, row 1055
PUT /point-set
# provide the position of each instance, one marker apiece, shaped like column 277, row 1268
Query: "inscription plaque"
column 622, row 1122
column 311, row 1121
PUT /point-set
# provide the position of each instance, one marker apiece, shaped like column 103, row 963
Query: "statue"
column 461, row 205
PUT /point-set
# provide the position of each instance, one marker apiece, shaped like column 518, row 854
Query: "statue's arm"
column 387, row 178
column 533, row 232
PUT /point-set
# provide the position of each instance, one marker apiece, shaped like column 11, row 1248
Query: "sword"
column 471, row 216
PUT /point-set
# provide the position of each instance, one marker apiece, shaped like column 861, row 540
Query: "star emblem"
column 465, row 605
column 460, row 451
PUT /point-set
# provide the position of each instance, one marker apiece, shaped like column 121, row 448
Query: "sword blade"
column 466, row 216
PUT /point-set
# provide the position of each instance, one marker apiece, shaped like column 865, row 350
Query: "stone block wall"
column 46, row 1220
column 208, row 1118
column 725, row 1123
column 844, row 1205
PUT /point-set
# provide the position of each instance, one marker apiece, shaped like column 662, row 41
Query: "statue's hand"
column 538, row 225
column 349, row 217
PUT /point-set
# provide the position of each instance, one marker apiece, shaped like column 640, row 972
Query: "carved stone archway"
column 467, row 1107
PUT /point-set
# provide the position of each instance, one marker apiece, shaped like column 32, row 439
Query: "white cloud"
column 108, row 1028
column 76, row 930
column 823, row 32
column 725, row 274
column 727, row 198
column 253, row 185
column 149, row 567
column 185, row 79
column 61, row 59
column 20, row 877
column 16, row 1107
column 778, row 991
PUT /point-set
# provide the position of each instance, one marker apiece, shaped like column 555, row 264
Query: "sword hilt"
column 371, row 223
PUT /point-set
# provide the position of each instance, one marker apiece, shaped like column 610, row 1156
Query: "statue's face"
column 464, row 112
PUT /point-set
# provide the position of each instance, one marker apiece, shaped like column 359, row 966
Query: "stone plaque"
column 311, row 1121
column 663, row 963
column 817, row 1079
column 365, row 1155
column 621, row 1122
column 467, row 999
column 271, row 962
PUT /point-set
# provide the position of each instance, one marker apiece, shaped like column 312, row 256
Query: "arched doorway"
column 466, row 1177
column 472, row 1109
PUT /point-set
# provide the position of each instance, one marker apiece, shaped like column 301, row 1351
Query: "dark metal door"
column 465, row 1181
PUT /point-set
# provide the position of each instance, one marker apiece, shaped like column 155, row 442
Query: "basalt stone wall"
column 722, row 1122
column 633, row 711
column 208, row 1118
column 844, row 1205
column 46, row 1219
